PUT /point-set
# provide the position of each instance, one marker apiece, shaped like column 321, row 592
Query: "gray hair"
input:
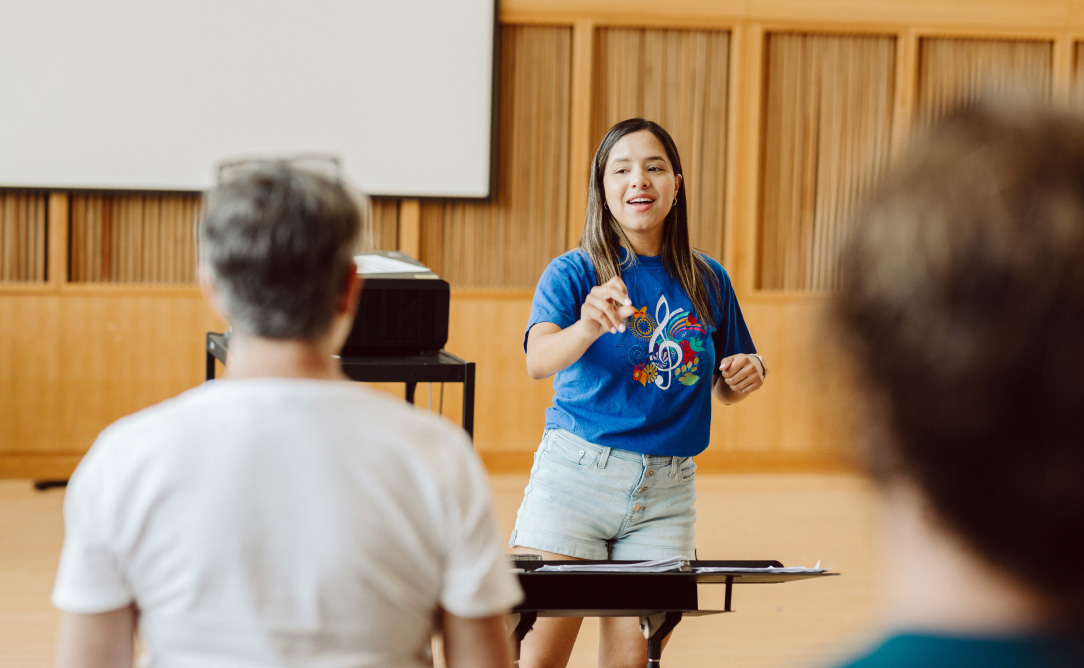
column 278, row 241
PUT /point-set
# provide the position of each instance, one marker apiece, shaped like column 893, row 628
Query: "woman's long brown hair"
column 602, row 235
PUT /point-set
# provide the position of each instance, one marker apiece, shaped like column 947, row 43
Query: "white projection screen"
column 138, row 94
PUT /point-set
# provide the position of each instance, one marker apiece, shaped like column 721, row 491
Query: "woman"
column 630, row 322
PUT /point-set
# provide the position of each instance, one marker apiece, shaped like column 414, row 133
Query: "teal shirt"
column 929, row 651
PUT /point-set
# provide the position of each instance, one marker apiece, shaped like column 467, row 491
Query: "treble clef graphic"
column 668, row 353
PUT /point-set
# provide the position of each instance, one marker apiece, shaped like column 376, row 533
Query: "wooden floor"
column 797, row 519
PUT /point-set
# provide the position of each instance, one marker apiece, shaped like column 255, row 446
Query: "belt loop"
column 603, row 458
column 674, row 468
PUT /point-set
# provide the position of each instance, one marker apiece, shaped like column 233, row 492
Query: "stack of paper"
column 678, row 563
column 769, row 569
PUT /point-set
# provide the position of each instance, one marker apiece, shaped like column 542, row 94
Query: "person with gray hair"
column 282, row 516
column 962, row 307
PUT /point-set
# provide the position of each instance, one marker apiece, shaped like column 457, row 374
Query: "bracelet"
column 763, row 366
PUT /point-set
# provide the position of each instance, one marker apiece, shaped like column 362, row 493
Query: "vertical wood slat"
column 23, row 230
column 40, row 212
column 159, row 248
column 58, row 244
column 679, row 79
column 506, row 242
column 77, row 239
column 380, row 230
column 8, row 224
column 827, row 131
column 173, row 216
column 410, row 227
column 1076, row 89
column 581, row 129
column 955, row 71
column 135, row 238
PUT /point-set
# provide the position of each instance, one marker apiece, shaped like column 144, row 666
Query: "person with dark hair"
column 962, row 307
column 640, row 330
column 282, row 516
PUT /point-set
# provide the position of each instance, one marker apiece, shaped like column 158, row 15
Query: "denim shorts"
column 584, row 500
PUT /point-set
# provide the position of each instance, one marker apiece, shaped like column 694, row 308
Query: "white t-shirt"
column 274, row 522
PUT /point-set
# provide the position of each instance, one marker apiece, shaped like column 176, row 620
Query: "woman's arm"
column 551, row 349
column 739, row 376
column 104, row 640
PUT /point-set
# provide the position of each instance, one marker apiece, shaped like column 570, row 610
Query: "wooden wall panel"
column 1077, row 86
column 827, row 131
column 23, row 235
column 802, row 417
column 680, row 80
column 144, row 238
column 953, row 71
column 71, row 363
column 510, row 407
column 507, row 242
column 76, row 352
column 151, row 238
column 974, row 15
column 381, row 229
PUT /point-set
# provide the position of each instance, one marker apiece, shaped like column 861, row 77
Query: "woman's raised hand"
column 550, row 348
column 606, row 308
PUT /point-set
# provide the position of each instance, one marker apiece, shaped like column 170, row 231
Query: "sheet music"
column 769, row 569
column 676, row 563
column 379, row 264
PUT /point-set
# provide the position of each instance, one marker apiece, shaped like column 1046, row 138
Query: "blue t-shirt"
column 647, row 389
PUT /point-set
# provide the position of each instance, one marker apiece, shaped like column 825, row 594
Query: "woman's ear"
column 679, row 180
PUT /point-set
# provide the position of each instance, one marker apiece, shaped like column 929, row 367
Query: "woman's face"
column 640, row 186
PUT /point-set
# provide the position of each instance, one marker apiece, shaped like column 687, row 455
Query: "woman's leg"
column 661, row 525
column 621, row 644
column 549, row 642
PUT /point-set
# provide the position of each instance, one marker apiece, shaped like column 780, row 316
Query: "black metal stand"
column 440, row 367
column 42, row 485
column 520, row 623
column 659, row 600
column 655, row 628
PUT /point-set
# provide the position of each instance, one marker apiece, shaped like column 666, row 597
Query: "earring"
column 675, row 202
column 607, row 206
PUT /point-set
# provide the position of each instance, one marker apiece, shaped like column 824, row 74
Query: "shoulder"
column 177, row 428
column 574, row 262
column 154, row 421
column 123, row 450
column 379, row 419
column 714, row 265
column 397, row 420
column 401, row 434
column 718, row 272
column 568, row 276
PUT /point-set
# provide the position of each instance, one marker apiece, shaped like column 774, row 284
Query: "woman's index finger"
column 617, row 291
